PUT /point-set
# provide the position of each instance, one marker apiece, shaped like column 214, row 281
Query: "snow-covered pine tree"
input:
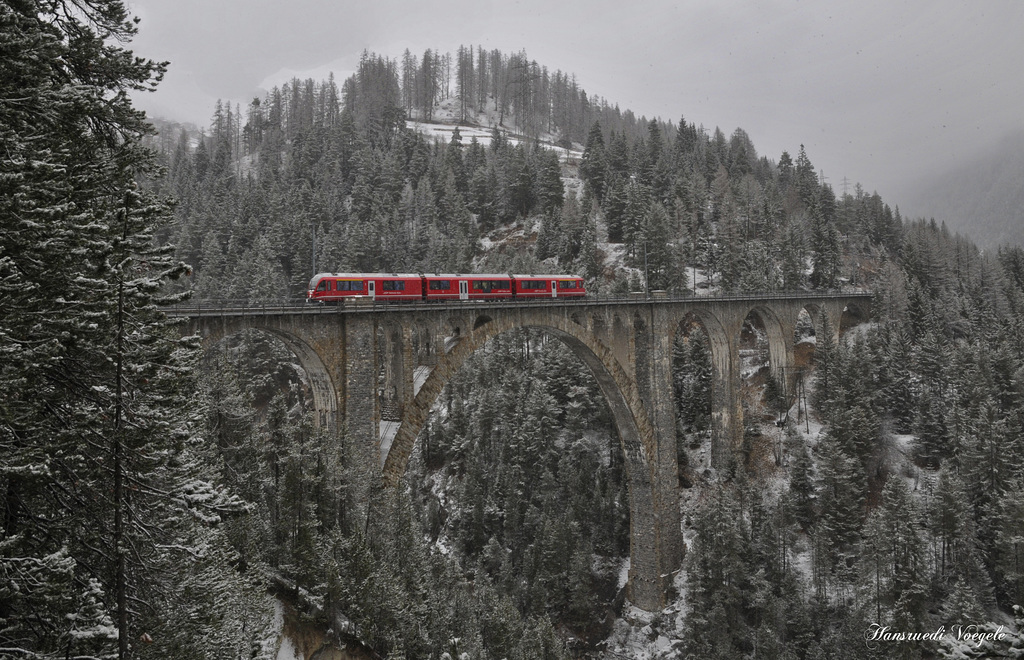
column 94, row 448
column 895, row 573
column 826, row 357
column 593, row 163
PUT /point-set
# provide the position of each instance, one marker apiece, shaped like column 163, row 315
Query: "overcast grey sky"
column 880, row 92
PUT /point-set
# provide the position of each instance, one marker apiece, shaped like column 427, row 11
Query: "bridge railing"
column 229, row 307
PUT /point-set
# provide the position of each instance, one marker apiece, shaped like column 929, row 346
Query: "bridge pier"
column 361, row 407
column 660, row 405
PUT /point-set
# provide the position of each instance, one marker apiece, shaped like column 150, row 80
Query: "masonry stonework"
column 364, row 359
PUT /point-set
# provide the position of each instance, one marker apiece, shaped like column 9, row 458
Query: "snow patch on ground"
column 388, row 431
column 480, row 126
column 800, row 561
column 624, row 574
column 419, row 377
column 905, row 444
column 288, row 650
column 749, row 364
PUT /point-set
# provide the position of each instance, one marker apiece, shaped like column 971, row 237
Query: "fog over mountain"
column 982, row 197
column 880, row 93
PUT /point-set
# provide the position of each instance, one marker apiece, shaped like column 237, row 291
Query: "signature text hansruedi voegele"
column 972, row 633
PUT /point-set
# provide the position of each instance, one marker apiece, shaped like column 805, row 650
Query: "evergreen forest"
column 164, row 501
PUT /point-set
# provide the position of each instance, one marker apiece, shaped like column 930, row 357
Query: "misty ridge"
column 982, row 198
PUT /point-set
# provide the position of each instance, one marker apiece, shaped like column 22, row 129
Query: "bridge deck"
column 362, row 306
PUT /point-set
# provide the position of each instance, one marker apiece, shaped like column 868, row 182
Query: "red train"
column 397, row 287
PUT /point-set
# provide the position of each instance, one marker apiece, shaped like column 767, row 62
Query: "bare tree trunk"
column 120, row 549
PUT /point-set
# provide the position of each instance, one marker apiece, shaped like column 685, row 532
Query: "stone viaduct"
column 376, row 371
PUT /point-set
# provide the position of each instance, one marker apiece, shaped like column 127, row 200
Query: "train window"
column 486, row 286
column 440, row 285
column 322, row 286
column 564, row 284
column 392, row 285
column 350, row 285
column 534, row 285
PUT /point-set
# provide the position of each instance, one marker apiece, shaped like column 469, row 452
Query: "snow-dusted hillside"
column 480, row 127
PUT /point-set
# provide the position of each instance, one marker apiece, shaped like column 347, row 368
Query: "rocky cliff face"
column 303, row 640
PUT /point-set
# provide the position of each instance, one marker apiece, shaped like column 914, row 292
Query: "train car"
column 336, row 288
column 339, row 287
column 468, row 287
column 548, row 286
column 570, row 286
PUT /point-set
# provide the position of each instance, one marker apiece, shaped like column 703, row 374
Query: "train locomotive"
column 336, row 288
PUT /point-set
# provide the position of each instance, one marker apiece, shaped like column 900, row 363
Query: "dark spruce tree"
column 96, row 461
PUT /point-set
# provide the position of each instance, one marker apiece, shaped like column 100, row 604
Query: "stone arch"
column 806, row 331
column 723, row 358
column 392, row 379
column 762, row 396
column 322, row 384
column 617, row 387
column 451, row 331
column 687, row 327
column 424, row 344
column 718, row 336
column 806, row 321
column 649, row 518
column 823, row 309
column 780, row 346
column 854, row 313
